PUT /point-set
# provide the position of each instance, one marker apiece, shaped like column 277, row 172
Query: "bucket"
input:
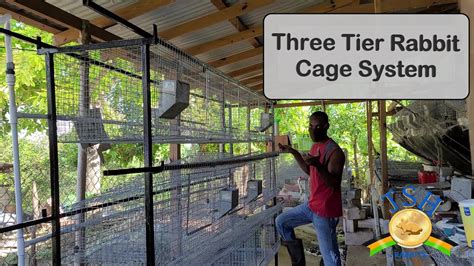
column 467, row 212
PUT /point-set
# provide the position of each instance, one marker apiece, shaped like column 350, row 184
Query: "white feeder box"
column 254, row 189
column 266, row 121
column 174, row 98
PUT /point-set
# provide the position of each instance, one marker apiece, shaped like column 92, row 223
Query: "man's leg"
column 288, row 220
column 285, row 224
column 327, row 239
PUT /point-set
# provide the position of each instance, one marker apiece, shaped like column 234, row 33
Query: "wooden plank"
column 315, row 103
column 326, row 6
column 240, row 72
column 258, row 31
column 237, row 57
column 383, row 154
column 397, row 5
column 128, row 12
column 389, row 6
column 227, row 40
column 252, row 80
column 62, row 17
column 30, row 21
column 370, row 146
column 211, row 19
column 258, row 87
column 467, row 7
column 377, row 6
column 236, row 22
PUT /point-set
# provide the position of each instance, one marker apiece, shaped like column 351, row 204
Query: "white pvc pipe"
column 14, row 129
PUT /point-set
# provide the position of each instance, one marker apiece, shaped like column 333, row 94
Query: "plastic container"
column 425, row 177
column 467, row 213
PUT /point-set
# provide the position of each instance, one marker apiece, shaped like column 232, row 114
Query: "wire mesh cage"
column 109, row 228
column 101, row 116
column 99, row 98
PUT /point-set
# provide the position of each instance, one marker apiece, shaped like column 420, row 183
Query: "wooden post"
column 383, row 154
column 370, row 145
column 378, row 6
column 467, row 7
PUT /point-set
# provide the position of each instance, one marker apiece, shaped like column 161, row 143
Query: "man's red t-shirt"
column 324, row 200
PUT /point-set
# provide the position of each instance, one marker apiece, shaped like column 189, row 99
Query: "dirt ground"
column 356, row 255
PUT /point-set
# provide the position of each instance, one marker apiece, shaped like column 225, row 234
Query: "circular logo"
column 410, row 228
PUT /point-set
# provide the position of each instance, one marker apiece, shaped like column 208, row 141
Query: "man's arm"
column 298, row 157
column 331, row 174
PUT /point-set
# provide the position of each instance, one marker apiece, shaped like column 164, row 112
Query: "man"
column 324, row 164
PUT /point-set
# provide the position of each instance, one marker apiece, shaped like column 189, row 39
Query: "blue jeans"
column 325, row 230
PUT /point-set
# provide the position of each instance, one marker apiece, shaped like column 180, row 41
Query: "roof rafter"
column 128, row 12
column 245, row 70
column 237, row 57
column 216, row 17
column 62, row 17
column 236, row 22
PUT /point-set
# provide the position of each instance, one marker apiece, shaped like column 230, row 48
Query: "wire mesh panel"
column 100, row 125
column 95, row 102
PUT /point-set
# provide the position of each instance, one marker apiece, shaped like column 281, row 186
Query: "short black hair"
column 321, row 115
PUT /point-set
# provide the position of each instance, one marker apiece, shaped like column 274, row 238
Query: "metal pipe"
column 148, row 154
column 53, row 159
column 106, row 13
column 10, row 78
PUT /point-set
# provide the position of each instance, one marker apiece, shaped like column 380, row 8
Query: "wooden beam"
column 236, row 22
column 227, row 40
column 128, row 12
column 62, row 17
column 389, row 6
column 245, row 70
column 397, row 5
column 383, row 154
column 213, row 18
column 258, row 87
column 258, row 31
column 370, row 144
column 392, row 106
column 377, row 6
column 315, row 103
column 326, row 6
column 252, row 80
column 42, row 25
column 237, row 57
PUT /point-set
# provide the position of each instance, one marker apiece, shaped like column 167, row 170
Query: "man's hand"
column 313, row 161
column 286, row 148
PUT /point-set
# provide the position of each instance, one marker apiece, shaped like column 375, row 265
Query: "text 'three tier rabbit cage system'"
column 207, row 209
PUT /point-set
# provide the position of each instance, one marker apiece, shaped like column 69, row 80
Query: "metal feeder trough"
column 266, row 121
column 174, row 98
column 90, row 128
column 254, row 189
column 228, row 200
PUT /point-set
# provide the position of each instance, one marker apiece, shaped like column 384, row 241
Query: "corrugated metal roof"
column 255, row 18
column 167, row 16
column 76, row 8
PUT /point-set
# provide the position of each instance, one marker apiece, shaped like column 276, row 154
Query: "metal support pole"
column 53, row 159
column 273, row 163
column 10, row 78
column 148, row 155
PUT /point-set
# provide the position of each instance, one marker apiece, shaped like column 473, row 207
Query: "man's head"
column 318, row 126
